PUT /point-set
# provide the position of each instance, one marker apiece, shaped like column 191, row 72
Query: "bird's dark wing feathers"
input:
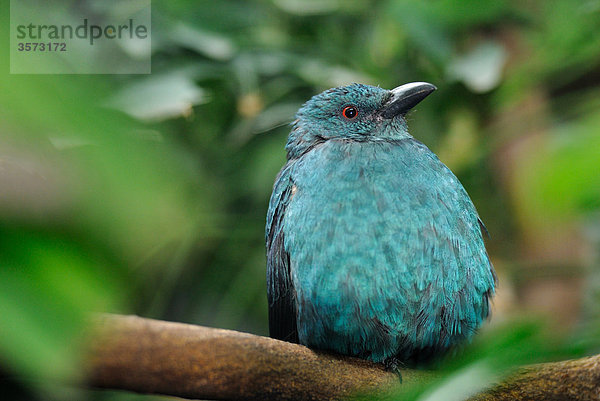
column 483, row 228
column 280, row 291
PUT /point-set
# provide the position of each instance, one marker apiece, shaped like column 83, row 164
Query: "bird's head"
column 355, row 112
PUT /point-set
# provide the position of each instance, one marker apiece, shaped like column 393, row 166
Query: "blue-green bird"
column 374, row 248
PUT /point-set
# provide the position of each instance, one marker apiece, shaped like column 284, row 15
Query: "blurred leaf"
column 463, row 384
column 325, row 75
column 97, row 199
column 159, row 97
column 314, row 7
column 209, row 44
column 48, row 286
column 492, row 356
column 561, row 181
column 480, row 68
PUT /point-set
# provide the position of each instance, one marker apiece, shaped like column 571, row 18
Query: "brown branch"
column 573, row 380
column 151, row 356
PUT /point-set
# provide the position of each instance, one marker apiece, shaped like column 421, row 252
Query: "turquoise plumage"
column 374, row 248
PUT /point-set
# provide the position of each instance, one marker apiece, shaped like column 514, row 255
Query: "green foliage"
column 492, row 356
column 148, row 194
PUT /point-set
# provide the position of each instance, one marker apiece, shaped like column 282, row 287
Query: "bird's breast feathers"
column 384, row 245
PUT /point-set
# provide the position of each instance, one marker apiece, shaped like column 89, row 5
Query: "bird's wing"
column 447, row 233
column 280, row 291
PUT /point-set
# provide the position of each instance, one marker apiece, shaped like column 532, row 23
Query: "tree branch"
column 573, row 380
column 152, row 356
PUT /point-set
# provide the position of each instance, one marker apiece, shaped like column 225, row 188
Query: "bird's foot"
column 393, row 364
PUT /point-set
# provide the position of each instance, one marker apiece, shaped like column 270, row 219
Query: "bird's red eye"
column 350, row 112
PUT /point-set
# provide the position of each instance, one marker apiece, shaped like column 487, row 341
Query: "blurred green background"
column 147, row 194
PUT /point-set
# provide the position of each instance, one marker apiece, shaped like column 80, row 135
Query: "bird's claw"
column 393, row 365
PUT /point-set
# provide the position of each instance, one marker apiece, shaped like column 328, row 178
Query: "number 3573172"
column 42, row 47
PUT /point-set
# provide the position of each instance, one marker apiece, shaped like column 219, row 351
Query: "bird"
column 374, row 248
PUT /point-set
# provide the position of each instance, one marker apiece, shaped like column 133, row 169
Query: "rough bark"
column 151, row 356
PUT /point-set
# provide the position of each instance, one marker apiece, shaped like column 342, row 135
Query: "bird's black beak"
column 406, row 97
